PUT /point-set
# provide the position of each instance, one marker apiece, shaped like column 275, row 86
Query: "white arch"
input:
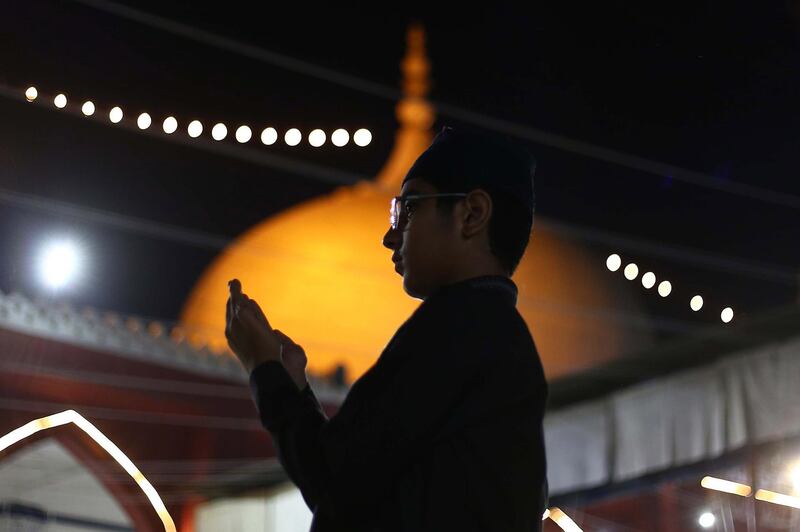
column 71, row 416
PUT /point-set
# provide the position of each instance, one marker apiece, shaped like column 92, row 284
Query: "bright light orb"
column 362, row 137
column 59, row 264
column 60, row 101
column 316, row 138
column 144, row 121
column 696, row 303
column 706, row 520
column 293, row 137
column 631, row 271
column 115, row 115
column 269, row 136
column 87, row 108
column 219, row 131
column 727, row 315
column 795, row 472
column 195, row 129
column 664, row 288
column 340, row 138
column 613, row 262
column 649, row 280
column 243, row 134
column 31, row 93
column 170, row 125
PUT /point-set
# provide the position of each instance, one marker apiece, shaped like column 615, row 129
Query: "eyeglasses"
column 399, row 210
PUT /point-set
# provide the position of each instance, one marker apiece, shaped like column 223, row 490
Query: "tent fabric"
column 749, row 397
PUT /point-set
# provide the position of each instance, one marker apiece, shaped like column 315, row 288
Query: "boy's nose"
column 391, row 238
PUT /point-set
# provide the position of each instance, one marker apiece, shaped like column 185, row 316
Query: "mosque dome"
column 323, row 277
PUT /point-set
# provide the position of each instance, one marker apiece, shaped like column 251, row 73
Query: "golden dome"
column 322, row 276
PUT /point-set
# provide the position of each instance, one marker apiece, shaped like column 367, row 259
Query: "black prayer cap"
column 460, row 159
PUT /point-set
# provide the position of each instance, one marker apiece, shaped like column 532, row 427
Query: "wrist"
column 301, row 383
column 256, row 363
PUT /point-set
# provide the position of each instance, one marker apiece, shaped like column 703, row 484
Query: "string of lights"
column 219, row 131
column 266, row 158
column 631, row 272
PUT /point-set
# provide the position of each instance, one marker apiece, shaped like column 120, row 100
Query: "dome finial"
column 415, row 65
column 413, row 111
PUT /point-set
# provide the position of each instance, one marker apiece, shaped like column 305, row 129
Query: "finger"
column 235, row 286
column 231, row 328
column 249, row 317
column 256, row 308
column 240, row 301
column 236, row 335
column 229, row 315
column 283, row 337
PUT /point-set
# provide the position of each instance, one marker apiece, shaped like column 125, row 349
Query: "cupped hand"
column 248, row 331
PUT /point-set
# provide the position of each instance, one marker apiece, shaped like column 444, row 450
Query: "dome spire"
column 415, row 114
column 415, row 64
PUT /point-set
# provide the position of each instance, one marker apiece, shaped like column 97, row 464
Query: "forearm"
column 294, row 419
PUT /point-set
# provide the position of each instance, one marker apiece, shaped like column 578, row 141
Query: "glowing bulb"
column 340, row 137
column 293, row 137
column 649, row 280
column 316, row 138
column 613, row 262
column 219, row 132
column 195, row 129
column 795, row 473
column 726, row 315
column 88, row 108
column 726, row 486
column 31, row 94
column 631, row 271
column 664, row 288
column 170, row 125
column 362, row 137
column 563, row 520
column 696, row 303
column 777, row 498
column 60, row 101
column 58, row 264
column 115, row 115
column 144, row 121
column 243, row 134
column 706, row 520
column 269, row 136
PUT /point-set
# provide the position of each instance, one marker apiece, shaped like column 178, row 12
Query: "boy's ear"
column 478, row 210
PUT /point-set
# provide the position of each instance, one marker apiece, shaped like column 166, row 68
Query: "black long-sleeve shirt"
column 443, row 432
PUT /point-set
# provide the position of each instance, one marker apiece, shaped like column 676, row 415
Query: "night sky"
column 711, row 87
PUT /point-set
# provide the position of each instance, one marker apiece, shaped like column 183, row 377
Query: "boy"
column 444, row 432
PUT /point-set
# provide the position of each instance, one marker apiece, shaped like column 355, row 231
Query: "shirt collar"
column 496, row 283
